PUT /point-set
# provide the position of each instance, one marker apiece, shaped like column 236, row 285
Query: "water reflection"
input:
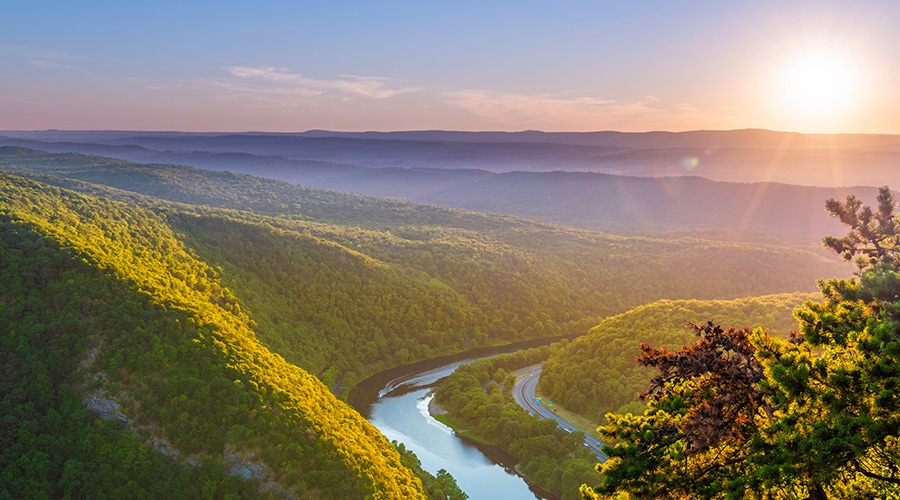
column 402, row 414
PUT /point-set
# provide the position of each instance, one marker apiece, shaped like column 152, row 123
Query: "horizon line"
column 452, row 131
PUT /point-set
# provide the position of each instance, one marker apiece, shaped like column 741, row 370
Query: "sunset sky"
column 240, row 65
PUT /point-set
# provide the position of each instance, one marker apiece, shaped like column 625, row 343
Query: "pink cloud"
column 284, row 82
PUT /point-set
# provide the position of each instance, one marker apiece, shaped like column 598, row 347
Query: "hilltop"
column 217, row 316
column 596, row 373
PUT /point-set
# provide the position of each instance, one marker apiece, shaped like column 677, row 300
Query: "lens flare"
column 690, row 163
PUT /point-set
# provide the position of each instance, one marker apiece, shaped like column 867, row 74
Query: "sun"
column 819, row 85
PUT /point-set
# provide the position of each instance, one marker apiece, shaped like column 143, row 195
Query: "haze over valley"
column 634, row 183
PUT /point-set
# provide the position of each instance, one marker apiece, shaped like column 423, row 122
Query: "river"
column 396, row 402
column 402, row 415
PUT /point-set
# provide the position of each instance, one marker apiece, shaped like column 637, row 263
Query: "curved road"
column 525, row 393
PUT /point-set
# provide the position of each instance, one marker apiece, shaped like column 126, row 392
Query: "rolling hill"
column 760, row 182
column 596, row 374
column 210, row 317
column 318, row 270
column 108, row 311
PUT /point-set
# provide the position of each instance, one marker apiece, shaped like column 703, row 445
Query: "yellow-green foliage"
column 596, row 374
column 176, row 348
column 340, row 285
column 346, row 285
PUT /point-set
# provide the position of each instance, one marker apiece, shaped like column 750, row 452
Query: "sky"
column 289, row 66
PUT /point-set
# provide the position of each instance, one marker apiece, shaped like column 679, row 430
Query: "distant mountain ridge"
column 731, row 155
column 609, row 138
column 591, row 200
column 739, row 181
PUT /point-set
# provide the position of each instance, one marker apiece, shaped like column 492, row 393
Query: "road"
column 525, row 393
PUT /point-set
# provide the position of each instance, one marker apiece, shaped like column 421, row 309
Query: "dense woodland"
column 596, row 374
column 105, row 304
column 56, row 306
column 204, row 310
column 346, row 285
column 598, row 368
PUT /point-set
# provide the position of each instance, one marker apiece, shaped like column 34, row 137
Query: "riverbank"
column 436, row 410
column 397, row 401
column 481, row 397
column 443, row 416
column 367, row 391
column 479, row 470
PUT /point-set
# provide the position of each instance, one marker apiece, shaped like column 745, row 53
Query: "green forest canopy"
column 596, row 374
column 347, row 285
column 102, row 296
column 171, row 274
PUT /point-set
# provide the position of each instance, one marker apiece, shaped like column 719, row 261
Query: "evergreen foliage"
column 812, row 416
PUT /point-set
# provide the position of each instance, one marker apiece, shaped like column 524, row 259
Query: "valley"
column 294, row 294
column 405, row 250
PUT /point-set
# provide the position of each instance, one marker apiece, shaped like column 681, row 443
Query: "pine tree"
column 742, row 414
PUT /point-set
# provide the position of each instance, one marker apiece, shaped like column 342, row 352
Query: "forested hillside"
column 655, row 205
column 345, row 285
column 159, row 295
column 619, row 202
column 597, row 374
column 107, row 311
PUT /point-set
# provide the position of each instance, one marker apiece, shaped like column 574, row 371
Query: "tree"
column 841, row 376
column 703, row 407
column 873, row 236
column 742, row 414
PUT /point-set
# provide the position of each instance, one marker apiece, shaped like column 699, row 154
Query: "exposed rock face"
column 239, row 463
column 109, row 409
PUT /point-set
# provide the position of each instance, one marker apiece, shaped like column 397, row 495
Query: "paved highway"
column 525, row 394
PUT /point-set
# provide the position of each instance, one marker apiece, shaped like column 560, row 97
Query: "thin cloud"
column 559, row 111
column 232, row 88
column 40, row 58
column 46, row 64
column 282, row 82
